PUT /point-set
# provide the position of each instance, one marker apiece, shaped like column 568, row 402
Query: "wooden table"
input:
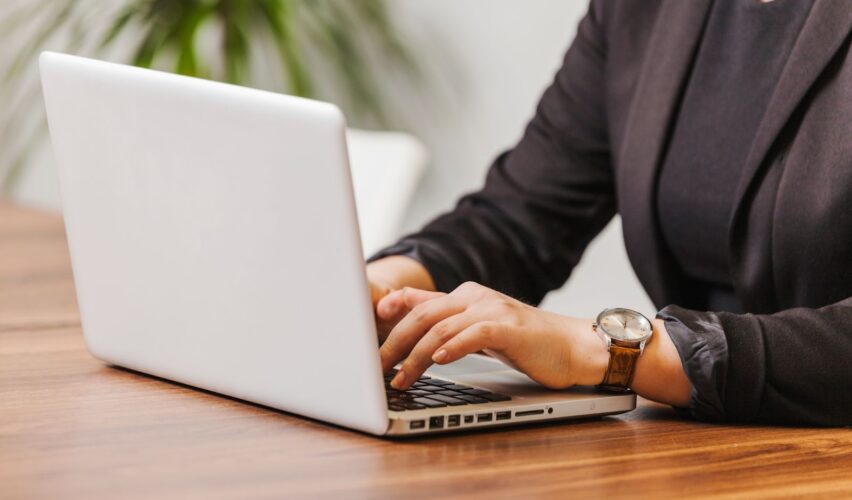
column 71, row 427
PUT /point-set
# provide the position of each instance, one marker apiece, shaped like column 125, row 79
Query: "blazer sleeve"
column 791, row 367
column 543, row 200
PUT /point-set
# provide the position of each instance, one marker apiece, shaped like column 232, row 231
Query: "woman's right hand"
column 392, row 274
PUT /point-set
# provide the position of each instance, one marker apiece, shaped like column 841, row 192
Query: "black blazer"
column 594, row 149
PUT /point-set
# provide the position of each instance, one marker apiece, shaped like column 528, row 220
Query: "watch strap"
column 622, row 365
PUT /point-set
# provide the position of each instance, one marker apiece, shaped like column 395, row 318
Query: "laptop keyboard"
column 430, row 392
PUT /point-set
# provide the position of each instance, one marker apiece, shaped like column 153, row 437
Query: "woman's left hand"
column 555, row 351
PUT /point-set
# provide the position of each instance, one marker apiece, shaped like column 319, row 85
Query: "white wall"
column 488, row 61
column 503, row 53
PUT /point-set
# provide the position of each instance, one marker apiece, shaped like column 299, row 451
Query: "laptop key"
column 476, row 392
column 430, row 388
column 418, row 392
column 396, row 407
column 411, row 405
column 473, row 399
column 496, row 397
column 430, row 403
column 448, row 399
column 456, row 387
column 450, row 393
column 437, row 381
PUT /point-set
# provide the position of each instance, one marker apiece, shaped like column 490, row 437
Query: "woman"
column 722, row 133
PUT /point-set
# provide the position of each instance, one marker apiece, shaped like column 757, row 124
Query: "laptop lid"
column 213, row 237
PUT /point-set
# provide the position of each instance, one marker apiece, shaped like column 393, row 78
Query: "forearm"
column 543, row 201
column 659, row 373
column 789, row 367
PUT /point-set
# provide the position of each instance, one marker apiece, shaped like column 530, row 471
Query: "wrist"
column 659, row 373
column 598, row 365
column 595, row 353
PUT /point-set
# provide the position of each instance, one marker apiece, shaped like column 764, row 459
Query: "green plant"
column 303, row 44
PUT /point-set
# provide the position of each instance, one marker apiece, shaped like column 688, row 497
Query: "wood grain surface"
column 71, row 427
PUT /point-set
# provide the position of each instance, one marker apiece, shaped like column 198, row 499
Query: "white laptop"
column 214, row 242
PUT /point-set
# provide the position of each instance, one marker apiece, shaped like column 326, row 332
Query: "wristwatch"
column 625, row 332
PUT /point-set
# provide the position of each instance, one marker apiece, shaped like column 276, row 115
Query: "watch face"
column 624, row 324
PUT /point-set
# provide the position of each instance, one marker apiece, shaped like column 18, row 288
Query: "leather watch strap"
column 622, row 365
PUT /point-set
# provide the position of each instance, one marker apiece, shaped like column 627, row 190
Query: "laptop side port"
column 504, row 415
column 528, row 413
column 483, row 417
column 436, row 422
column 453, row 420
column 417, row 424
column 468, row 419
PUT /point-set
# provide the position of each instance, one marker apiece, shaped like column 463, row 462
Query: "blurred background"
column 433, row 91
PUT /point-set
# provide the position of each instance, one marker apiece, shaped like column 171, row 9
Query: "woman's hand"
column 392, row 273
column 390, row 308
column 556, row 351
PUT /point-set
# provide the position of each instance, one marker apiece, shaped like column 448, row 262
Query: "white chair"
column 386, row 169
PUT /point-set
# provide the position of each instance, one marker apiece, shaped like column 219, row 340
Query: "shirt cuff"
column 445, row 279
column 703, row 348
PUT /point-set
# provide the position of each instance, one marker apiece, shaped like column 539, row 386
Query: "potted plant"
column 310, row 48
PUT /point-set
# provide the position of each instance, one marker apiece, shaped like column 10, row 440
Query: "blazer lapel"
column 823, row 33
column 672, row 47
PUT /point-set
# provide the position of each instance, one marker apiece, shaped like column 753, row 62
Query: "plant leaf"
column 234, row 19
column 119, row 24
column 27, row 54
column 279, row 17
column 337, row 35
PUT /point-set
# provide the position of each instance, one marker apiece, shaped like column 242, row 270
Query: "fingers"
column 414, row 325
column 413, row 297
column 377, row 292
column 476, row 337
column 401, row 301
column 420, row 357
column 392, row 307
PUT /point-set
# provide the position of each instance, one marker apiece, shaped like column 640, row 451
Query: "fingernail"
column 440, row 356
column 399, row 380
column 389, row 307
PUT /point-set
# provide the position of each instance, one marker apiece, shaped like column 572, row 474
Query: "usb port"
column 453, row 421
column 417, row 424
column 436, row 422
column 468, row 419
column 504, row 415
column 483, row 417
